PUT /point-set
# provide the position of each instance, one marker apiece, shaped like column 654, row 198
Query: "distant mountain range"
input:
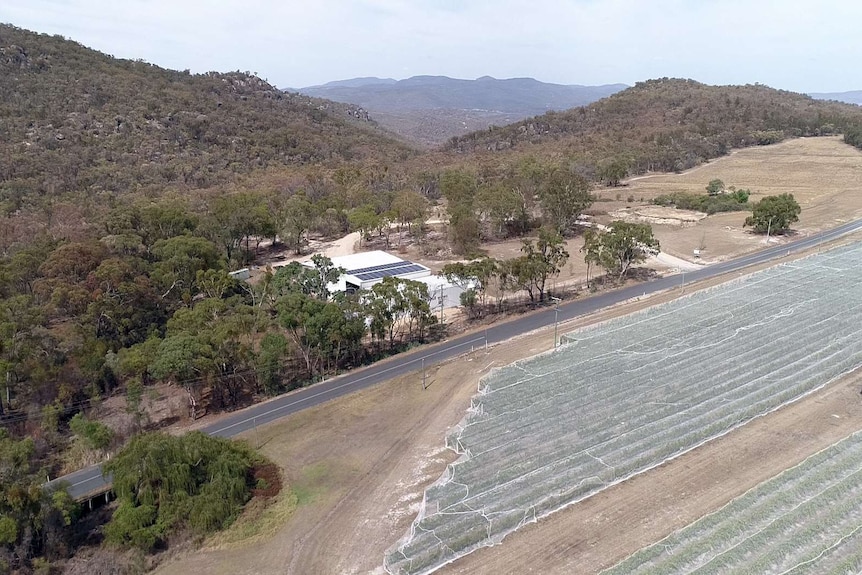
column 854, row 97
column 432, row 109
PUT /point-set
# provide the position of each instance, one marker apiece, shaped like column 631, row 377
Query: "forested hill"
column 668, row 124
column 72, row 118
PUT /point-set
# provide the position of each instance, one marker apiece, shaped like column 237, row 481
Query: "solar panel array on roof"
column 394, row 269
column 397, row 264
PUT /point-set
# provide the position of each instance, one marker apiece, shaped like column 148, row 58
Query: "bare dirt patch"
column 658, row 215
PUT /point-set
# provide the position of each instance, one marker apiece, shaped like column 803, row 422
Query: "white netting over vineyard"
column 627, row 395
column 808, row 520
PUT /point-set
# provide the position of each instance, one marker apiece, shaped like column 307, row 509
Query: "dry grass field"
column 357, row 466
column 823, row 174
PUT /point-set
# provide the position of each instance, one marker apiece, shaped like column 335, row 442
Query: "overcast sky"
column 799, row 45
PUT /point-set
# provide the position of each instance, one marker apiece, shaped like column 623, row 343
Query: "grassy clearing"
column 264, row 516
column 261, row 519
column 310, row 484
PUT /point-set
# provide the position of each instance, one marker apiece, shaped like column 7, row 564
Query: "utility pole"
column 441, row 305
column 556, row 301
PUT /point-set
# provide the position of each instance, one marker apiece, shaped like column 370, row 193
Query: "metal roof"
column 386, row 270
column 362, row 260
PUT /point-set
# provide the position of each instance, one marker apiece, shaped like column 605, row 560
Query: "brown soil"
column 268, row 480
column 358, row 466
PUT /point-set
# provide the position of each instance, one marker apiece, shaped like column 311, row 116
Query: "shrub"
column 737, row 201
column 94, row 434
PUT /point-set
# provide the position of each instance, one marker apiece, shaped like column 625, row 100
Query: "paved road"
column 90, row 480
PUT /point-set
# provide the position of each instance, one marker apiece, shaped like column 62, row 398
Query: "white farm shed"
column 439, row 287
column 365, row 269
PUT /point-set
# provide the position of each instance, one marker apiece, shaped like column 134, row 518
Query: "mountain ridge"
column 431, row 109
column 546, row 96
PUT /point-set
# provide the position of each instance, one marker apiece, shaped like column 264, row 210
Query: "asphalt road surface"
column 89, row 480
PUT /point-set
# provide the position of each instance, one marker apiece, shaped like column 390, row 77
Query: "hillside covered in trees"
column 665, row 125
column 76, row 120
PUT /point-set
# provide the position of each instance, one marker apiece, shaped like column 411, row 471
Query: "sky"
column 798, row 45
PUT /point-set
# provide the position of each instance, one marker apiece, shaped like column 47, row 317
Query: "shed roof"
column 363, row 260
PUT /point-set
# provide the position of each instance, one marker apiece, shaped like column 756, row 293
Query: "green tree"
column 499, row 205
column 463, row 229
column 165, row 219
column 93, row 434
column 409, row 208
column 125, row 305
column 167, row 483
column 715, row 187
column 326, row 274
column 418, row 314
column 321, row 331
column 620, row 246
column 564, row 196
column 458, row 187
column 134, row 361
column 182, row 358
column 221, row 334
column 179, row 260
column 613, row 172
column 774, row 214
column 299, row 314
column 541, row 260
column 386, row 307
column 270, row 358
column 297, row 216
column 33, row 520
column 237, row 220
column 474, row 276
column 20, row 323
column 364, row 220
column 312, row 281
column 215, row 283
